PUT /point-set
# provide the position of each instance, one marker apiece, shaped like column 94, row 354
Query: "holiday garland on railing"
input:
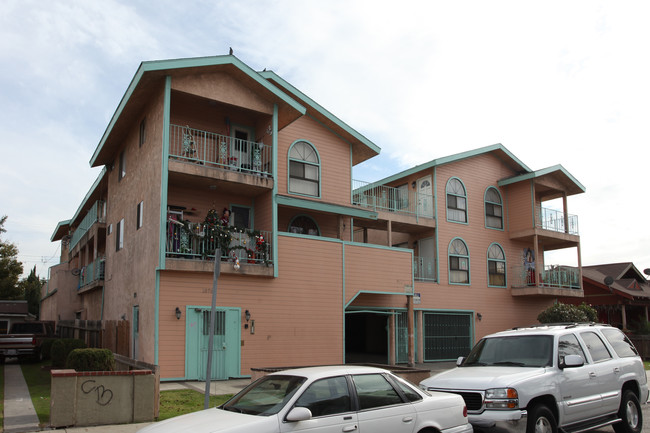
column 215, row 233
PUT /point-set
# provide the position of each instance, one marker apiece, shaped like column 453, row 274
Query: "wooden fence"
column 106, row 334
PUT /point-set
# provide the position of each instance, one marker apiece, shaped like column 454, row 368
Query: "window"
column 139, row 216
column 304, row 169
column 496, row 266
column 242, row 217
column 326, row 397
column 119, row 235
column 595, row 346
column 304, row 225
column 493, row 209
column 143, row 131
column 458, row 262
column 122, row 168
column 621, row 344
column 374, row 390
column 402, row 197
column 568, row 345
column 456, row 201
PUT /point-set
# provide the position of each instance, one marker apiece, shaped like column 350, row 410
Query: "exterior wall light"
column 479, row 316
column 178, row 313
column 247, row 314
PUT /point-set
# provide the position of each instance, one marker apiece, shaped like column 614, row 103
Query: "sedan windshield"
column 523, row 351
column 266, row 396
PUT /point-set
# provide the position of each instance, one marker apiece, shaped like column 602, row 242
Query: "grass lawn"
column 38, row 382
column 181, row 401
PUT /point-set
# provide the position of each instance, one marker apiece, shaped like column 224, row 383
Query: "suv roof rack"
column 566, row 325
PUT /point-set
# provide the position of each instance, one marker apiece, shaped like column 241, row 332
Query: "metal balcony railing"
column 196, row 241
column 398, row 200
column 553, row 276
column 553, row 220
column 92, row 272
column 96, row 214
column 228, row 153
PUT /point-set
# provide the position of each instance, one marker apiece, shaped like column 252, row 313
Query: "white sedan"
column 327, row 399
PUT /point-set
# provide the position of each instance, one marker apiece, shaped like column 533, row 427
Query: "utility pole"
column 208, row 373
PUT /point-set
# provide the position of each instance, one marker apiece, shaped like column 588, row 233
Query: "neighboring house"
column 11, row 312
column 618, row 291
column 321, row 268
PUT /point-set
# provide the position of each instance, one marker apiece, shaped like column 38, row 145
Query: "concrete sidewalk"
column 19, row 413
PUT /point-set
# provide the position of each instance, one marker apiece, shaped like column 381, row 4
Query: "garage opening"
column 366, row 338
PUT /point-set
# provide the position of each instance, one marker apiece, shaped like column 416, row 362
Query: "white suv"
column 574, row 377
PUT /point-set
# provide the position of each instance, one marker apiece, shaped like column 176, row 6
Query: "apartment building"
column 208, row 164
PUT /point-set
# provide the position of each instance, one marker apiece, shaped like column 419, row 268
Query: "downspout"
column 163, row 210
column 274, row 204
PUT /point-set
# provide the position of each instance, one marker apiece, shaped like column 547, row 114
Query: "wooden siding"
column 520, row 206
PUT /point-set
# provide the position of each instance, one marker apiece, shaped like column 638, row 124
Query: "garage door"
column 447, row 335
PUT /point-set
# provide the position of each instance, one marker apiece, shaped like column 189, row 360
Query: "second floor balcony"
column 400, row 200
column 92, row 275
column 96, row 214
column 556, row 221
column 553, row 280
column 220, row 151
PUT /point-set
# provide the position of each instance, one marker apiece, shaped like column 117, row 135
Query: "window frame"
column 318, row 166
column 456, row 196
column 119, row 235
column 121, row 169
column 458, row 258
column 139, row 221
column 143, row 132
column 487, row 203
column 497, row 260
column 319, row 232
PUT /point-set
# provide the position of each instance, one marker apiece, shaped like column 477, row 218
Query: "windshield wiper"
column 516, row 364
column 473, row 364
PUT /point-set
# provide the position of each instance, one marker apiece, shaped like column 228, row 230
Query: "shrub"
column 91, row 360
column 46, row 347
column 568, row 313
column 61, row 348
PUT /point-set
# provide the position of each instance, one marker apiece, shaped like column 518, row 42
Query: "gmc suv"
column 573, row 377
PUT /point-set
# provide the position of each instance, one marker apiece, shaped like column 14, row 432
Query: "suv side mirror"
column 572, row 361
column 460, row 361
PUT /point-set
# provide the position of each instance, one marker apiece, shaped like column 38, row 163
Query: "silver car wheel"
column 632, row 414
column 543, row 425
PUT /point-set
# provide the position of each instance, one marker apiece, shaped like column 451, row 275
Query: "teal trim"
column 435, row 215
column 305, row 216
column 351, row 165
column 543, row 172
column 251, row 212
column 486, row 202
column 460, row 256
column 270, row 75
column 289, row 159
column 169, row 65
column 274, row 193
column 392, row 312
column 374, row 292
column 498, row 148
column 452, row 311
column 319, row 206
column 505, row 265
column 60, row 227
column 447, row 194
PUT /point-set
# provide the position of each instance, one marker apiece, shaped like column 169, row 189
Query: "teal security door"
column 225, row 349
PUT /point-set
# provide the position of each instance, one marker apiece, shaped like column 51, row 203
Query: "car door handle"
column 617, row 370
column 407, row 419
column 350, row 428
column 592, row 374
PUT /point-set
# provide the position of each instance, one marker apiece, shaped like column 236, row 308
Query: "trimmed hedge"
column 61, row 348
column 91, row 360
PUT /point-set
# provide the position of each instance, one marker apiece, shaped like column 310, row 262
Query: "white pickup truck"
column 573, row 377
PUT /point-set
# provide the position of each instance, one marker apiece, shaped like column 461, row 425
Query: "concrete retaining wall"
column 101, row 397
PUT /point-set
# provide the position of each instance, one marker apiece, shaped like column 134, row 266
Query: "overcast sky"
column 556, row 82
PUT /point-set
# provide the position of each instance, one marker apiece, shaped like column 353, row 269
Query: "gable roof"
column 150, row 74
column 558, row 173
column 362, row 148
column 627, row 280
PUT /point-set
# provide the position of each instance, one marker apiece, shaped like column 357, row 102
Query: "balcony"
column 424, row 269
column 92, row 275
column 554, row 280
column 197, row 242
column 554, row 220
column 96, row 214
column 220, row 151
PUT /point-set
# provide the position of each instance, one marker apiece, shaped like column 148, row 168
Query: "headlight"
column 501, row 398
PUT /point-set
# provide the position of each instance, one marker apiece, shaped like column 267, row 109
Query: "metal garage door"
column 447, row 335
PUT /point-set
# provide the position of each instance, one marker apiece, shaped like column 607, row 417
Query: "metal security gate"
column 447, row 335
column 401, row 337
column 225, row 352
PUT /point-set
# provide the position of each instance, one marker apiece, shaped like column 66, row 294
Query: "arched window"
column 493, row 209
column 496, row 266
column 458, row 262
column 456, row 201
column 304, row 169
column 304, row 225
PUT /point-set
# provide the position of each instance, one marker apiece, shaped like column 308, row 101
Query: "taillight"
column 465, row 411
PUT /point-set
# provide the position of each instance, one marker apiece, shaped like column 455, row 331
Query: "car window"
column 266, row 396
column 569, row 345
column 619, row 341
column 522, row 351
column 410, row 394
column 595, row 346
column 326, row 397
column 374, row 391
